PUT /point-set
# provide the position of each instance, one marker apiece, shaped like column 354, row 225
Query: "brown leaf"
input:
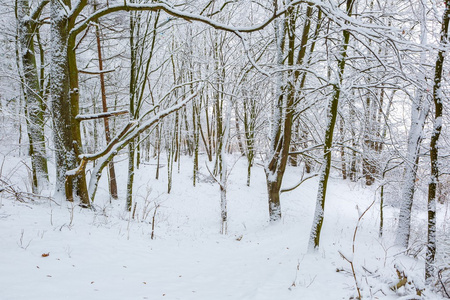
column 45, row 254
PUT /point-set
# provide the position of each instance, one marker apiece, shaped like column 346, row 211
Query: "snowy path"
column 102, row 255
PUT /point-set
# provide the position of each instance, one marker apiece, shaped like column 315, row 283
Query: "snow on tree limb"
column 176, row 13
column 98, row 72
column 37, row 11
column 101, row 115
column 130, row 132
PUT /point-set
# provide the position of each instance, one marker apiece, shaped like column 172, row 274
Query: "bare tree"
column 434, row 149
column 28, row 25
column 287, row 100
column 332, row 112
column 64, row 39
column 111, row 169
column 419, row 112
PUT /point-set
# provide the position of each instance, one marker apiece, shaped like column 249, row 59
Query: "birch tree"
column 419, row 112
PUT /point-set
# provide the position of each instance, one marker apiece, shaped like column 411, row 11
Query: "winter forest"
column 224, row 149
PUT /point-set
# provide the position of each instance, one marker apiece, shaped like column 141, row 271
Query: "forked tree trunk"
column 275, row 168
column 284, row 112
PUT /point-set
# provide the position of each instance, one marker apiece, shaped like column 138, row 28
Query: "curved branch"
column 176, row 13
column 128, row 134
column 298, row 184
column 37, row 11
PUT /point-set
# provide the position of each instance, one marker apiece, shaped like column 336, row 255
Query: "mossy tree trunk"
column 434, row 148
column 328, row 141
column 65, row 95
column 287, row 95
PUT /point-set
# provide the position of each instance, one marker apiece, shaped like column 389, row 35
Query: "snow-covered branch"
column 175, row 13
column 38, row 9
column 128, row 134
column 98, row 72
column 101, row 115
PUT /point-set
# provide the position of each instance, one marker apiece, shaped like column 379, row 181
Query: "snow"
column 105, row 254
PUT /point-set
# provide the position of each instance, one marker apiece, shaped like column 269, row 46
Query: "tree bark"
column 434, row 149
column 33, row 92
column 285, row 110
column 65, row 157
column 80, row 186
column 331, row 121
column 112, row 172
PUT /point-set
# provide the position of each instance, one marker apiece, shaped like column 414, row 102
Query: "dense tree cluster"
column 355, row 88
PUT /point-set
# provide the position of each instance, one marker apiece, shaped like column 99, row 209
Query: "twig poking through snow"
column 350, row 260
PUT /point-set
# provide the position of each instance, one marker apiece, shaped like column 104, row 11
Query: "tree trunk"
column 342, row 150
column 419, row 112
column 133, row 94
column 80, row 186
column 223, row 168
column 65, row 157
column 352, row 174
column 238, row 131
column 34, row 94
column 368, row 164
column 418, row 118
column 196, row 129
column 250, row 117
column 437, row 126
column 331, row 121
column 276, row 165
column 112, row 172
column 130, row 180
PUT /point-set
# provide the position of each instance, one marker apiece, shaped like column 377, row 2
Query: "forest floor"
column 58, row 250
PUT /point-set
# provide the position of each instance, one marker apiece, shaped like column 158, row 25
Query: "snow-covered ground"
column 57, row 250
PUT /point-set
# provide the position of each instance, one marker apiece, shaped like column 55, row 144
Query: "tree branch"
column 176, row 13
column 96, row 72
column 101, row 115
column 37, row 11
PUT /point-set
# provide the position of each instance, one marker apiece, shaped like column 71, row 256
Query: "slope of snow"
column 105, row 254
